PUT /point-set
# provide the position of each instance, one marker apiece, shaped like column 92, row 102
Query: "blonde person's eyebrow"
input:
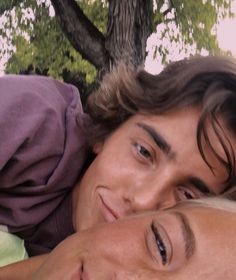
column 188, row 235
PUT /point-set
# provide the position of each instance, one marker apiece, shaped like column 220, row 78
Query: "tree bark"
column 129, row 25
column 80, row 31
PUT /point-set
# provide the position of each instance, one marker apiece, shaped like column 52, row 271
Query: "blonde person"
column 194, row 240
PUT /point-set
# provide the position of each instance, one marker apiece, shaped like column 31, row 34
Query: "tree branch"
column 166, row 12
column 170, row 7
column 81, row 32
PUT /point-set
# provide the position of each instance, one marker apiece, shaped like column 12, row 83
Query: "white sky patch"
column 3, row 45
column 226, row 33
column 176, row 49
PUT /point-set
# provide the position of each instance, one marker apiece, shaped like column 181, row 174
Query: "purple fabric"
column 51, row 231
column 43, row 150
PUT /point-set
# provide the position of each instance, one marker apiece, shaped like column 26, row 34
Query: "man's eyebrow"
column 188, row 235
column 166, row 148
column 200, row 185
column 158, row 139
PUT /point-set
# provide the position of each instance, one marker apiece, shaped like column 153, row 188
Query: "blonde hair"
column 220, row 203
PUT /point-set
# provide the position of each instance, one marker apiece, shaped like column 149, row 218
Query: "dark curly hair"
column 205, row 82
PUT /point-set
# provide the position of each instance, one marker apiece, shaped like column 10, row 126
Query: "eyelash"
column 187, row 193
column 143, row 151
column 160, row 244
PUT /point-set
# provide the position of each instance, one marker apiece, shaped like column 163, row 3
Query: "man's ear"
column 97, row 147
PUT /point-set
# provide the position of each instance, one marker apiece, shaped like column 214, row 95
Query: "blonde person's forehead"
column 217, row 202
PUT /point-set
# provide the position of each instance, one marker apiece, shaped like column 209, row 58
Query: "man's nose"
column 152, row 195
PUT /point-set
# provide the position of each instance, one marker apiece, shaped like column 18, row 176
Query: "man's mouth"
column 82, row 274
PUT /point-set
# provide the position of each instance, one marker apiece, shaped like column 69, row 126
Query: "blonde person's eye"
column 159, row 245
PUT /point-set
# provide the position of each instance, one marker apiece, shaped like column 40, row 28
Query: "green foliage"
column 41, row 47
column 195, row 22
column 6, row 5
column 96, row 11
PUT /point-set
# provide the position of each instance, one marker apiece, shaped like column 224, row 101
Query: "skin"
column 133, row 173
column 128, row 248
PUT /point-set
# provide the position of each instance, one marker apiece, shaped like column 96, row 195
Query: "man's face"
column 186, row 242
column 148, row 163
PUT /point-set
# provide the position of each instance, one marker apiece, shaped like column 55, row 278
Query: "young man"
column 156, row 140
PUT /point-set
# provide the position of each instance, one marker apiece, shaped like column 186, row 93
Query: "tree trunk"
column 129, row 25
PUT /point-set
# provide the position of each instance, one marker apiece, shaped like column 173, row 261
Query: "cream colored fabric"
column 12, row 248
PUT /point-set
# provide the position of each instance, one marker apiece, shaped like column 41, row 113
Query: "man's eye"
column 143, row 151
column 185, row 194
column 160, row 244
column 188, row 195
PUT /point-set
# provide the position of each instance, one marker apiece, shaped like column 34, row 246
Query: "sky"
column 225, row 33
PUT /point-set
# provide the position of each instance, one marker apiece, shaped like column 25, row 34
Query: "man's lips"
column 82, row 274
column 108, row 213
